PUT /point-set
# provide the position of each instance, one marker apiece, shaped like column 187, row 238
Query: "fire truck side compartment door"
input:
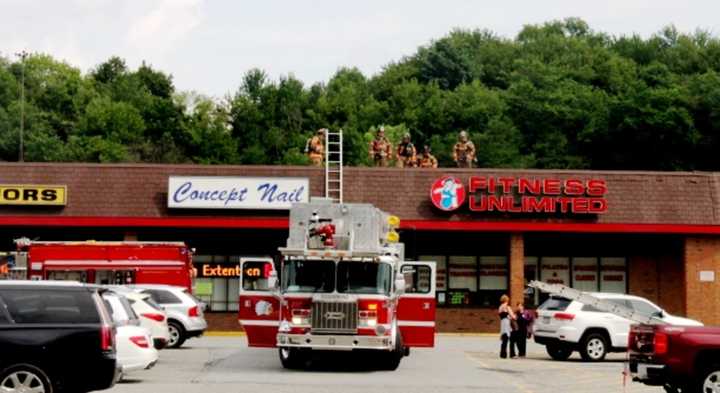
column 259, row 311
column 416, row 307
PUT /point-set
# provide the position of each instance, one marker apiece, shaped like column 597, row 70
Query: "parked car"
column 565, row 326
column 41, row 323
column 184, row 312
column 152, row 316
column 134, row 344
column 677, row 358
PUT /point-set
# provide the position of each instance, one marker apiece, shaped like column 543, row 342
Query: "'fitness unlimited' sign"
column 216, row 192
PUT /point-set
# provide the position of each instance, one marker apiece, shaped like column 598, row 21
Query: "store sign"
column 521, row 195
column 33, row 195
column 217, row 192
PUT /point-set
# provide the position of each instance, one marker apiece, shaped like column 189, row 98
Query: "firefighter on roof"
column 380, row 148
column 315, row 147
column 427, row 160
column 406, row 153
column 464, row 151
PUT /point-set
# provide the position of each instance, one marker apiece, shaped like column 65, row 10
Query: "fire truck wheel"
column 177, row 335
column 292, row 358
column 391, row 360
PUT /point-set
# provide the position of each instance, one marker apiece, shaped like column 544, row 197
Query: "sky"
column 207, row 45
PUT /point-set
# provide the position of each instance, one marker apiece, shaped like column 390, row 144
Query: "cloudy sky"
column 208, row 44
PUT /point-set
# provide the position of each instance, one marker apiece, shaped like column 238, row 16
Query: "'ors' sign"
column 23, row 194
column 521, row 195
column 217, row 192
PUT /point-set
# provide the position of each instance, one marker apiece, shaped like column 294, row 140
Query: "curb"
column 230, row 333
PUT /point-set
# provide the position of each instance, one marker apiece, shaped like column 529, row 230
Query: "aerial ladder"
column 334, row 165
column 600, row 304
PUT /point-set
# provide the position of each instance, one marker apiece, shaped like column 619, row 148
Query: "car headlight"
column 300, row 317
column 367, row 319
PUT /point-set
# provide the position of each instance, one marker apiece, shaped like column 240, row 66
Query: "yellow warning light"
column 372, row 306
column 393, row 237
column 393, row 221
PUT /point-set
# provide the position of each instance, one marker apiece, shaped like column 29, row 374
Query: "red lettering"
column 538, row 205
column 507, row 184
column 565, row 204
column 475, row 206
column 597, row 205
column 492, row 185
column 477, row 183
column 574, row 187
column 494, row 203
column 551, row 187
column 596, row 187
column 510, row 205
column 580, row 205
column 527, row 186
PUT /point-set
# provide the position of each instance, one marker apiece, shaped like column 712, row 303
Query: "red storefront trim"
column 420, row 225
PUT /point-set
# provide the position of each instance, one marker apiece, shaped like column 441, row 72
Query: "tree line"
column 557, row 95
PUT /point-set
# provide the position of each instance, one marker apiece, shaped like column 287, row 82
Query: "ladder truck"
column 342, row 285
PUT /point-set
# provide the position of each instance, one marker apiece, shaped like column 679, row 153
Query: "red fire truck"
column 116, row 263
column 344, row 286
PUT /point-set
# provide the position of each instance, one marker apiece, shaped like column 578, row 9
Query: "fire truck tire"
column 292, row 358
column 391, row 360
column 177, row 334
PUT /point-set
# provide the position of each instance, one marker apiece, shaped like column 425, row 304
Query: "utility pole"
column 23, row 55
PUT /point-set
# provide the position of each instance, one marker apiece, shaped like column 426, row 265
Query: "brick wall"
column 659, row 279
column 141, row 190
column 517, row 268
column 702, row 299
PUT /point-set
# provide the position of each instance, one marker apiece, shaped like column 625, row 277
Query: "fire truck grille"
column 331, row 318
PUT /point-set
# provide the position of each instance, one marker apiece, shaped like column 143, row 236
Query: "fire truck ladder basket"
column 600, row 304
column 334, row 165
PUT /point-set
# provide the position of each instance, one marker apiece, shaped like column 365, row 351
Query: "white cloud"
column 166, row 23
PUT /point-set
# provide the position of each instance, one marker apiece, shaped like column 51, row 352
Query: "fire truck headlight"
column 284, row 327
column 301, row 317
column 367, row 319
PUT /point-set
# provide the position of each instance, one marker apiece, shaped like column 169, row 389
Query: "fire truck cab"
column 115, row 263
column 343, row 285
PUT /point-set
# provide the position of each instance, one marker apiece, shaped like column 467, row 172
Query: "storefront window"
column 613, row 277
column 585, row 274
column 555, row 270
column 463, row 273
column 531, row 273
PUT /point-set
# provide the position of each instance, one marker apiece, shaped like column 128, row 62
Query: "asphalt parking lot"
column 457, row 364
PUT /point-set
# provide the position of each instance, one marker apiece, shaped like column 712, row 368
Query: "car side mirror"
column 273, row 280
column 400, row 284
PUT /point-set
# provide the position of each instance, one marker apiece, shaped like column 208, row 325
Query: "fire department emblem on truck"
column 334, row 316
column 447, row 193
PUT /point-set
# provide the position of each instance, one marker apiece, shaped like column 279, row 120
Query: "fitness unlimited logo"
column 447, row 193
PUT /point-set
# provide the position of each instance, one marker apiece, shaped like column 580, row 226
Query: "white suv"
column 564, row 326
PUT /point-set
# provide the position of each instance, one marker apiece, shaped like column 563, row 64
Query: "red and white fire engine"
column 344, row 286
column 115, row 263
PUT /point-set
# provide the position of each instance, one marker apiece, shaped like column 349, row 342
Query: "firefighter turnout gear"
column 427, row 160
column 381, row 149
column 315, row 147
column 464, row 151
column 406, row 153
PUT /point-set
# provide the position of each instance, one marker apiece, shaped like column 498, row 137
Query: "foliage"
column 558, row 95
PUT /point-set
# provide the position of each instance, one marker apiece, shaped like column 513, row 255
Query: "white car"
column 565, row 326
column 134, row 344
column 152, row 317
column 184, row 312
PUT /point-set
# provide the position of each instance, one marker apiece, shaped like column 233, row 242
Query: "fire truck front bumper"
column 334, row 342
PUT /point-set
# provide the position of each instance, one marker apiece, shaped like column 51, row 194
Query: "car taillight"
column 660, row 343
column 154, row 317
column 301, row 317
column 107, row 339
column 563, row 316
column 194, row 311
column 367, row 318
column 140, row 341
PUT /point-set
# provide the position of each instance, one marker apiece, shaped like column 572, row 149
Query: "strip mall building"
column 656, row 235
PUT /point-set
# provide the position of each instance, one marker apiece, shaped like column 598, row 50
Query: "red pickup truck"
column 679, row 358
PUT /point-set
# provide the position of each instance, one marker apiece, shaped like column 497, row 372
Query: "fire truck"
column 114, row 263
column 343, row 285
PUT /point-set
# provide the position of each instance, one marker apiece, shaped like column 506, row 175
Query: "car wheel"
column 177, row 335
column 391, row 361
column 24, row 378
column 558, row 352
column 594, row 347
column 292, row 358
column 710, row 380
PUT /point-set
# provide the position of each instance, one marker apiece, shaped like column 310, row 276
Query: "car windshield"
column 308, row 276
column 555, row 304
column 364, row 277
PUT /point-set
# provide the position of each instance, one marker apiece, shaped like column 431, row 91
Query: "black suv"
column 55, row 337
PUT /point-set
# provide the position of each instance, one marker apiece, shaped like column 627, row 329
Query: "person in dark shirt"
column 524, row 319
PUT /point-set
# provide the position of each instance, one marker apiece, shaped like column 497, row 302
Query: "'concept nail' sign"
column 219, row 192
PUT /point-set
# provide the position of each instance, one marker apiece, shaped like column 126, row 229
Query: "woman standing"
column 524, row 320
column 506, row 315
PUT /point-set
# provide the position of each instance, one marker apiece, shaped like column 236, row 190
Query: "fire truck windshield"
column 308, row 276
column 364, row 278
